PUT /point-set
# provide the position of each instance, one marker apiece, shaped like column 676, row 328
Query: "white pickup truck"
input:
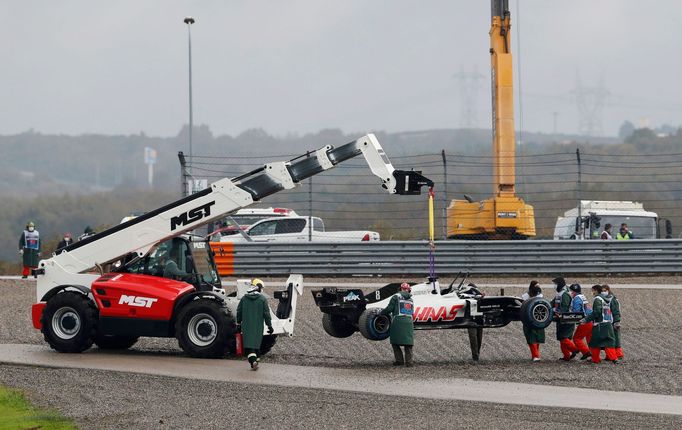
column 297, row 229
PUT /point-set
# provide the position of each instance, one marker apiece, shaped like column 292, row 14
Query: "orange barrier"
column 224, row 257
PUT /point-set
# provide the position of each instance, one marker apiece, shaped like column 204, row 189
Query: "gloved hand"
column 21, row 252
column 616, row 326
column 239, row 328
column 270, row 330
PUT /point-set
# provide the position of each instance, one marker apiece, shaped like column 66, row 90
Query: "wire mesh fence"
column 349, row 197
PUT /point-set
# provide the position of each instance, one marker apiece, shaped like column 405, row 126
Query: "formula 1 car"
column 346, row 311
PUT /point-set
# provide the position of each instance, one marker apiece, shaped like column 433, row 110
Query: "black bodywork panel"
column 340, row 301
column 135, row 327
column 284, row 298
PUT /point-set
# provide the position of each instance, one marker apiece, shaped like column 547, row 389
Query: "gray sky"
column 299, row 66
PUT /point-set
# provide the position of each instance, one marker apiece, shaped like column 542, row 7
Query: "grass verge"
column 17, row 413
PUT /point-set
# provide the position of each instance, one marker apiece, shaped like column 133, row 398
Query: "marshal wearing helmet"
column 253, row 313
column 400, row 309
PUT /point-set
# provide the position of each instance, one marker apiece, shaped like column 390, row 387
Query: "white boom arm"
column 223, row 197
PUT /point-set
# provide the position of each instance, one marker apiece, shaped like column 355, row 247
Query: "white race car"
column 464, row 306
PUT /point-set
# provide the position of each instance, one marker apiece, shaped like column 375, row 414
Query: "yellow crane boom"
column 504, row 215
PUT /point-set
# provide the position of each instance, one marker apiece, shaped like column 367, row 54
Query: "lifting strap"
column 432, row 245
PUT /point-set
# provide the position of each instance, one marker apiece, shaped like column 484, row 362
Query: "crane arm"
column 223, row 197
column 504, row 145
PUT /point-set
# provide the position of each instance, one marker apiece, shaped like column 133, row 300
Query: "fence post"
column 183, row 173
column 445, row 195
column 310, row 206
column 580, row 185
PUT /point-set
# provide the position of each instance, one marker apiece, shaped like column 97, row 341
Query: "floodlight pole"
column 189, row 21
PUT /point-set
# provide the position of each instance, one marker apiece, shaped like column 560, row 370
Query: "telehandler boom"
column 77, row 307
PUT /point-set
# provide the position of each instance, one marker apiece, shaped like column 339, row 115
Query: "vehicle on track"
column 134, row 299
column 346, row 311
column 148, row 276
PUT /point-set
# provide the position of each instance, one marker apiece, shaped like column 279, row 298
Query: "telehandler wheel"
column 205, row 329
column 374, row 326
column 337, row 326
column 267, row 343
column 69, row 322
column 105, row 341
column 537, row 312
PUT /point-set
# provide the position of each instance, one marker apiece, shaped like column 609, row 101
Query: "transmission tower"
column 469, row 87
column 590, row 102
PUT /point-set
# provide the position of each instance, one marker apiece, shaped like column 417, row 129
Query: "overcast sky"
column 120, row 67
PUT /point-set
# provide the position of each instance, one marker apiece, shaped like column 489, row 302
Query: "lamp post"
column 189, row 21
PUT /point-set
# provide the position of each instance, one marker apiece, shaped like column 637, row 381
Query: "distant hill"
column 54, row 164
column 64, row 183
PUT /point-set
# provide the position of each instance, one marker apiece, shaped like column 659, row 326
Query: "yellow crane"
column 504, row 215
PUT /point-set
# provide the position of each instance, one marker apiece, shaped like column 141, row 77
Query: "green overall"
column 565, row 330
column 615, row 310
column 253, row 312
column 602, row 328
column 402, row 328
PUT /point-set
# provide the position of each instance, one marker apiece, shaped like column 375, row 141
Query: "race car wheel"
column 105, row 341
column 69, row 322
column 267, row 343
column 205, row 329
column 337, row 326
column 536, row 312
column 373, row 325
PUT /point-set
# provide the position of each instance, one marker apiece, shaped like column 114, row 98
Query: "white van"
column 595, row 214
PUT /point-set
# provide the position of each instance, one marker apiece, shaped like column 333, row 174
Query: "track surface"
column 651, row 329
column 114, row 400
column 359, row 380
column 653, row 364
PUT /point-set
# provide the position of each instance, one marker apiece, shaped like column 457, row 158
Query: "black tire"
column 267, row 343
column 373, row 325
column 69, row 322
column 337, row 326
column 537, row 312
column 205, row 328
column 106, row 341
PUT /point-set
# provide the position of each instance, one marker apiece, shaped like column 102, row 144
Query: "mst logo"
column 140, row 302
column 191, row 215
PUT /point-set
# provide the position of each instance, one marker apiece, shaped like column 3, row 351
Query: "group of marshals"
column 598, row 330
